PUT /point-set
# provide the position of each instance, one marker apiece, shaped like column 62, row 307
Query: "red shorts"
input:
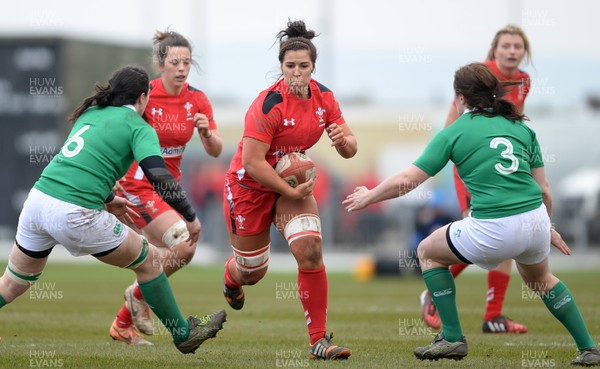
column 149, row 205
column 463, row 195
column 247, row 212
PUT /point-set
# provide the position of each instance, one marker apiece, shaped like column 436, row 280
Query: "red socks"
column 497, row 285
column 124, row 317
column 456, row 269
column 137, row 293
column 229, row 281
column 312, row 288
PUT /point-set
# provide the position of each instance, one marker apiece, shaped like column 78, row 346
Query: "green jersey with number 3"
column 494, row 157
column 100, row 149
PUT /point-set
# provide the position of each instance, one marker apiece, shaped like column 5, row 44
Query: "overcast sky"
column 392, row 52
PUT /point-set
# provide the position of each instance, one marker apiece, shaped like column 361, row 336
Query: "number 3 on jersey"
column 508, row 154
column 77, row 140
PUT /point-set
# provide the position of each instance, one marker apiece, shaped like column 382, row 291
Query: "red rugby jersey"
column 516, row 94
column 286, row 123
column 172, row 118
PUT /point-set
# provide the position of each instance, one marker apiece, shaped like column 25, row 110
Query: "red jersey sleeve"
column 262, row 118
column 335, row 113
column 205, row 108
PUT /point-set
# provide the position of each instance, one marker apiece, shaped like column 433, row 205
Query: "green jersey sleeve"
column 144, row 142
column 436, row 155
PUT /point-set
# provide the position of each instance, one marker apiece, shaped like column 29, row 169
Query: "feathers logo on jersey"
column 289, row 122
column 188, row 107
column 240, row 219
column 320, row 113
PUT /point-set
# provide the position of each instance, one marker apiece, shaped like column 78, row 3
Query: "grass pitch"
column 64, row 321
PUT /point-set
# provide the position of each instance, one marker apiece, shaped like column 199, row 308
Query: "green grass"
column 65, row 322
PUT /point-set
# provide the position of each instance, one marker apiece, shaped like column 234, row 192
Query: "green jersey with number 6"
column 100, row 149
column 494, row 157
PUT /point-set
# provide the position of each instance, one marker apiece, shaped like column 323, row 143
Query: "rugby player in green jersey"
column 498, row 158
column 72, row 204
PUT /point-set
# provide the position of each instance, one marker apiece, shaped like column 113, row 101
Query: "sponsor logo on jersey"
column 188, row 107
column 562, row 302
column 172, row 152
column 157, row 111
column 320, row 113
column 457, row 233
column 445, row 292
column 289, row 122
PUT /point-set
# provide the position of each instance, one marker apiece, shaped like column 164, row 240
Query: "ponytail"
column 124, row 87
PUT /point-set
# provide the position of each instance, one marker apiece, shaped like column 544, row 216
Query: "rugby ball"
column 295, row 168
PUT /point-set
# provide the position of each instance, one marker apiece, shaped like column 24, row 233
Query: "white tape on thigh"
column 302, row 225
column 20, row 277
column 176, row 234
column 250, row 261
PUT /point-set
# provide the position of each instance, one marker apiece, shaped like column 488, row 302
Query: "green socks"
column 2, row 301
column 158, row 294
column 440, row 283
column 562, row 305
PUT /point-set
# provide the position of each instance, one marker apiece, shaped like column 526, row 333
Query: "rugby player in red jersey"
column 175, row 111
column 291, row 115
column 509, row 47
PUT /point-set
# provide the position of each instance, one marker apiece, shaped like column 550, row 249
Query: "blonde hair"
column 510, row 29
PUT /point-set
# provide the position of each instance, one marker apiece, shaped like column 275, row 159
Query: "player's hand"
column 303, row 190
column 557, row 241
column 201, row 122
column 336, row 135
column 117, row 188
column 356, row 200
column 194, row 231
column 122, row 209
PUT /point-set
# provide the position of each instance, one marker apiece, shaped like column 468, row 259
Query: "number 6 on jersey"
column 78, row 140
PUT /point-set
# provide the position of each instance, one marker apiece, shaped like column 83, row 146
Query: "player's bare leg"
column 22, row 271
column 248, row 265
column 559, row 300
column 298, row 221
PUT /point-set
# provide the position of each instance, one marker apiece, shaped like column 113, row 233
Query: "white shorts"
column 524, row 237
column 46, row 221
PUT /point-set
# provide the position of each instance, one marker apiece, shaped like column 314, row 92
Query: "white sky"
column 390, row 50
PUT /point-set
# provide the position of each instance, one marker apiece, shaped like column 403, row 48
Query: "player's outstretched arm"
column 395, row 186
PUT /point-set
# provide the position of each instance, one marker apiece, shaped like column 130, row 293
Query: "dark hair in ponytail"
column 297, row 37
column 483, row 92
column 124, row 87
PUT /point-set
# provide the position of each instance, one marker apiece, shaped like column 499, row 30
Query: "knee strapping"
column 20, row 277
column 142, row 256
column 302, row 225
column 250, row 261
column 176, row 234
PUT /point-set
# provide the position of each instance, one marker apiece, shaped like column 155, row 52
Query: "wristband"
column 190, row 217
column 111, row 197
